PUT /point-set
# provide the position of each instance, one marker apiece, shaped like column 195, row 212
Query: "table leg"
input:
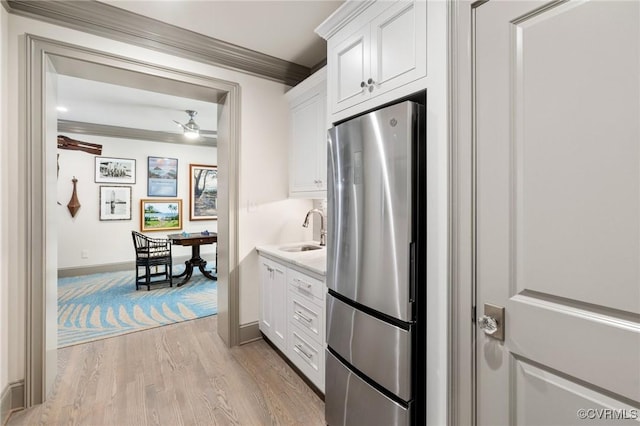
column 186, row 269
column 206, row 273
column 195, row 260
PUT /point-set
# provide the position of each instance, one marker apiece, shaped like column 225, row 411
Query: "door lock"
column 492, row 322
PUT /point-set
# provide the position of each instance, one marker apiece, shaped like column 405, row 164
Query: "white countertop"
column 313, row 260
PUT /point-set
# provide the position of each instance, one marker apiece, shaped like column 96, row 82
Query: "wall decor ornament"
column 203, row 192
column 162, row 177
column 74, row 203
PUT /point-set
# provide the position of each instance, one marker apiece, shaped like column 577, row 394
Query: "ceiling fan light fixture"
column 191, row 129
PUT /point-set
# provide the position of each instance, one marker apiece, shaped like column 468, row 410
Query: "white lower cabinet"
column 305, row 319
column 302, row 308
column 273, row 296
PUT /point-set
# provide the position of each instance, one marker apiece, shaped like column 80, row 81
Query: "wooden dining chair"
column 152, row 253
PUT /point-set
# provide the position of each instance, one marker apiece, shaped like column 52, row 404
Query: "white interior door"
column 558, row 211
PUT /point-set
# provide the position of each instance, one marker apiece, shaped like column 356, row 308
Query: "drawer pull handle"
column 302, row 284
column 301, row 315
column 300, row 349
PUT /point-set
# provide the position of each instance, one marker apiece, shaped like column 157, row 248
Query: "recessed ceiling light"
column 61, row 108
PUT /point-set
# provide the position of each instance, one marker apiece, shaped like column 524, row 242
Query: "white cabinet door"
column 279, row 305
column 397, row 55
column 383, row 55
column 308, row 147
column 266, row 313
column 308, row 137
column 558, row 202
column 349, row 65
column 273, row 282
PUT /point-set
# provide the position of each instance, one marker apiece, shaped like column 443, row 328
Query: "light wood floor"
column 180, row 374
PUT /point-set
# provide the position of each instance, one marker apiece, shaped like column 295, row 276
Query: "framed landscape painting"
column 115, row 202
column 160, row 215
column 115, row 170
column 203, row 192
column 162, row 177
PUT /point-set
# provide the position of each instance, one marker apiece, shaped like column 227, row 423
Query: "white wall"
column 4, row 199
column 266, row 216
column 110, row 241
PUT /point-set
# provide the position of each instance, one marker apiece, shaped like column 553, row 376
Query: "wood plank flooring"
column 181, row 374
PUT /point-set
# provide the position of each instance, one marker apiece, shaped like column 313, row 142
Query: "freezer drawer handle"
column 300, row 349
column 301, row 315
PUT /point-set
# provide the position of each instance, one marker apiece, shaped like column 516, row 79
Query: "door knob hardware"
column 488, row 324
column 492, row 322
column 371, row 84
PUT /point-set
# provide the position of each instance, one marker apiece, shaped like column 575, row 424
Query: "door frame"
column 38, row 52
column 462, row 332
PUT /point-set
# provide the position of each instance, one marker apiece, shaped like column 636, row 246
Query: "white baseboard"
column 11, row 399
column 109, row 267
column 249, row 332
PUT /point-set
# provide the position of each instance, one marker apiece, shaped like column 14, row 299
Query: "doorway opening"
column 45, row 60
column 144, row 163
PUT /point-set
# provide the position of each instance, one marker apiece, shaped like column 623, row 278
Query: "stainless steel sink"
column 304, row 247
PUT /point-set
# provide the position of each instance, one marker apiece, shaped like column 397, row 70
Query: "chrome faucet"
column 323, row 230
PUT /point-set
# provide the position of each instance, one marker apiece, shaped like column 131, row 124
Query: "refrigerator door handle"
column 412, row 272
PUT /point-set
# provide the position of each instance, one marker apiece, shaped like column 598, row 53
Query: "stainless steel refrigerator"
column 376, row 263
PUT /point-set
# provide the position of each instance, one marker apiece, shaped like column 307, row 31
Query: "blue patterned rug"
column 92, row 307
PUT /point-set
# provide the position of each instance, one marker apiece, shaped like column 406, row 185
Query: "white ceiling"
column 95, row 102
column 283, row 29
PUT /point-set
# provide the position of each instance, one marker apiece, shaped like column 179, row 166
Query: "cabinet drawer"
column 304, row 285
column 308, row 316
column 307, row 355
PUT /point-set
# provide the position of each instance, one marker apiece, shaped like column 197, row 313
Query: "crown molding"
column 78, row 127
column 341, row 17
column 118, row 24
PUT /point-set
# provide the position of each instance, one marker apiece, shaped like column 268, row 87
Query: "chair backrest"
column 150, row 247
column 140, row 241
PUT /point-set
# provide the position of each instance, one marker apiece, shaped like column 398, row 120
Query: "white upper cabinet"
column 349, row 70
column 308, row 137
column 374, row 48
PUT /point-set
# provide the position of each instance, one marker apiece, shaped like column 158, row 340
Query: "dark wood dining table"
column 195, row 240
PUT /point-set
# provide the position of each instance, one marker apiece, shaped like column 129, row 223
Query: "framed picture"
column 115, row 170
column 160, row 215
column 115, row 202
column 203, row 192
column 162, row 177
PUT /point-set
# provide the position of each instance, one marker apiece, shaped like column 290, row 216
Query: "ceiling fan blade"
column 210, row 133
column 179, row 124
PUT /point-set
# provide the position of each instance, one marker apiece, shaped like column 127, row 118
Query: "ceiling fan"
column 192, row 130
